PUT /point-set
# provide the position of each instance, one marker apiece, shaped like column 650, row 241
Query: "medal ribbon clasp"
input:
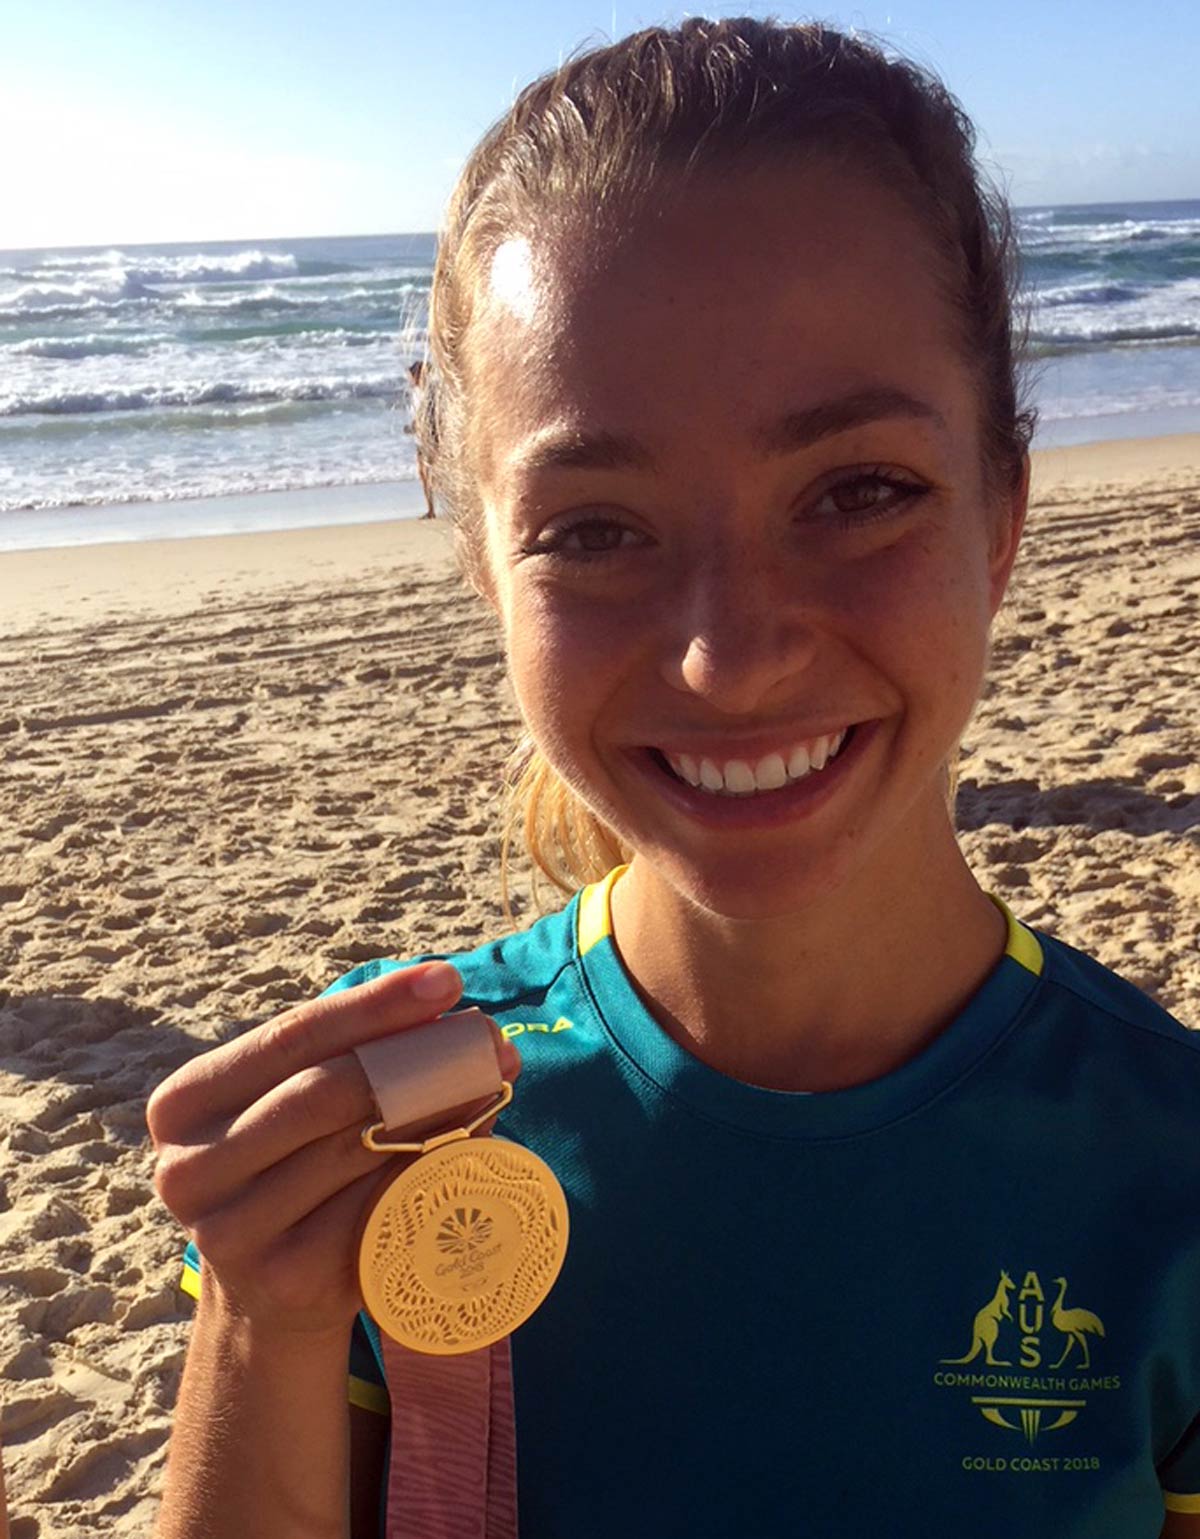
column 371, row 1133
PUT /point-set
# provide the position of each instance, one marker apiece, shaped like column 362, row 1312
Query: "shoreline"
column 61, row 586
column 128, row 523
column 351, row 531
column 1126, row 461
column 325, row 507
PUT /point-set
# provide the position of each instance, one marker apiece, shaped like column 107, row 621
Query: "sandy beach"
column 235, row 766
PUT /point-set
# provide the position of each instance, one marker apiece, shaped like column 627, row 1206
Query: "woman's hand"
column 260, row 1155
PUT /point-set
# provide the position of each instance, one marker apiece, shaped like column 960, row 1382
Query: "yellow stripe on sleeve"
column 361, row 1392
column 369, row 1397
column 1174, row 1502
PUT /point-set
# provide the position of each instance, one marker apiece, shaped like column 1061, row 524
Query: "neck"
column 842, row 992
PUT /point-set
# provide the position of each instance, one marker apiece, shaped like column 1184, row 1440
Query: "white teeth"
column 771, row 773
column 739, row 777
column 710, row 776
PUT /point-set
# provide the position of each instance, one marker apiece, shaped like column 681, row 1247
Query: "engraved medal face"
column 463, row 1246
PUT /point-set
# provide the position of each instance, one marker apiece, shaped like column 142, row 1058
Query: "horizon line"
column 229, row 240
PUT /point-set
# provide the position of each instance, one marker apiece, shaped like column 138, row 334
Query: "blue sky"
column 192, row 120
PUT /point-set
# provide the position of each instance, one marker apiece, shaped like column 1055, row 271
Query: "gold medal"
column 464, row 1244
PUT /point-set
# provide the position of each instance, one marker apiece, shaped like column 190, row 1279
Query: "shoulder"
column 1095, row 989
column 498, row 972
column 1103, row 1016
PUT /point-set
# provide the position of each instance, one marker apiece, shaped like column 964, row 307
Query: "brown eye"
column 860, row 495
column 595, row 536
column 584, row 539
column 865, row 498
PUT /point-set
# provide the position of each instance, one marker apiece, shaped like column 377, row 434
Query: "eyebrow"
column 574, row 449
column 801, row 429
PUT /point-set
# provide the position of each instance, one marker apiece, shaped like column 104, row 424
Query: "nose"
column 742, row 627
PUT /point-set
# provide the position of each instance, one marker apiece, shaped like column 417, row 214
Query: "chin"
column 754, row 888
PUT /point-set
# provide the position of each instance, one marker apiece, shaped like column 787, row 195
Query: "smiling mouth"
column 758, row 777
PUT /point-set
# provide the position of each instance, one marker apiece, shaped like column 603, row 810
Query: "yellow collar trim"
column 595, row 924
column 1022, row 945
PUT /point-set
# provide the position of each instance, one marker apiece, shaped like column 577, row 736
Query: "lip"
column 768, row 809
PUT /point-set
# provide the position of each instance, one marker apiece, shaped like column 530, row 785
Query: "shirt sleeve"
column 367, row 1386
column 368, row 970
column 190, row 1281
column 1179, row 1474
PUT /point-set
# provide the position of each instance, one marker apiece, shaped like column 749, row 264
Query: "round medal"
column 463, row 1245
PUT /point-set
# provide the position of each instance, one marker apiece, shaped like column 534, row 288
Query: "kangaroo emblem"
column 987, row 1327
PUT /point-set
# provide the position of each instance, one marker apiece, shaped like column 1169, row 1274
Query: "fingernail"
column 435, row 981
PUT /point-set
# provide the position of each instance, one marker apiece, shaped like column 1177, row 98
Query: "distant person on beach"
column 416, row 373
column 884, row 1207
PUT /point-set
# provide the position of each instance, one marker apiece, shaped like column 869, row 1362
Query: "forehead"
column 735, row 300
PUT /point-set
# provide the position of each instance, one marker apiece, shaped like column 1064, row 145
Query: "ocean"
column 141, row 375
column 1113, row 291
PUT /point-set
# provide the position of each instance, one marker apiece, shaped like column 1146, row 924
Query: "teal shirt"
column 963, row 1298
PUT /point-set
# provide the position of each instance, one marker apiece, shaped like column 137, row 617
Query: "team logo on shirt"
column 1030, row 1355
column 518, row 1028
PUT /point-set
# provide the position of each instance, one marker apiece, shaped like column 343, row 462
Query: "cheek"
column 922, row 607
column 561, row 658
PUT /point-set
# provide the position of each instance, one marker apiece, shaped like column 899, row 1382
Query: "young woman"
column 883, row 1208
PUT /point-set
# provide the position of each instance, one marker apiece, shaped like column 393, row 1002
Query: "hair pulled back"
column 591, row 140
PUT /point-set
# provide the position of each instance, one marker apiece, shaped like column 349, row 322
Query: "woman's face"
column 736, row 529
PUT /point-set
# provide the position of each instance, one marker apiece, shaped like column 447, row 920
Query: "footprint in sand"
column 101, row 1468
column 37, row 1281
column 54, row 1218
column 154, row 1309
column 1020, row 851
column 57, row 1317
column 265, row 924
column 25, row 1415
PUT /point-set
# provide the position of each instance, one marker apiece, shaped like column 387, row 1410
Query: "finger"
column 306, row 1110
column 307, row 1277
column 344, row 1215
column 244, row 1231
column 250, row 1221
column 214, row 1087
column 338, row 1094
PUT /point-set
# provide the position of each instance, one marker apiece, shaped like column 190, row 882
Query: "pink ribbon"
column 453, row 1471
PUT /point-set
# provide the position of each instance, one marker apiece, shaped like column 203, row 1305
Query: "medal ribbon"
column 453, row 1468
column 453, row 1471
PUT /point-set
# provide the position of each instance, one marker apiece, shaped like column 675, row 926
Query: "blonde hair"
column 591, row 140
column 567, row 843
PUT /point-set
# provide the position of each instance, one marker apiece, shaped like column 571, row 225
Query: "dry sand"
column 233, row 767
